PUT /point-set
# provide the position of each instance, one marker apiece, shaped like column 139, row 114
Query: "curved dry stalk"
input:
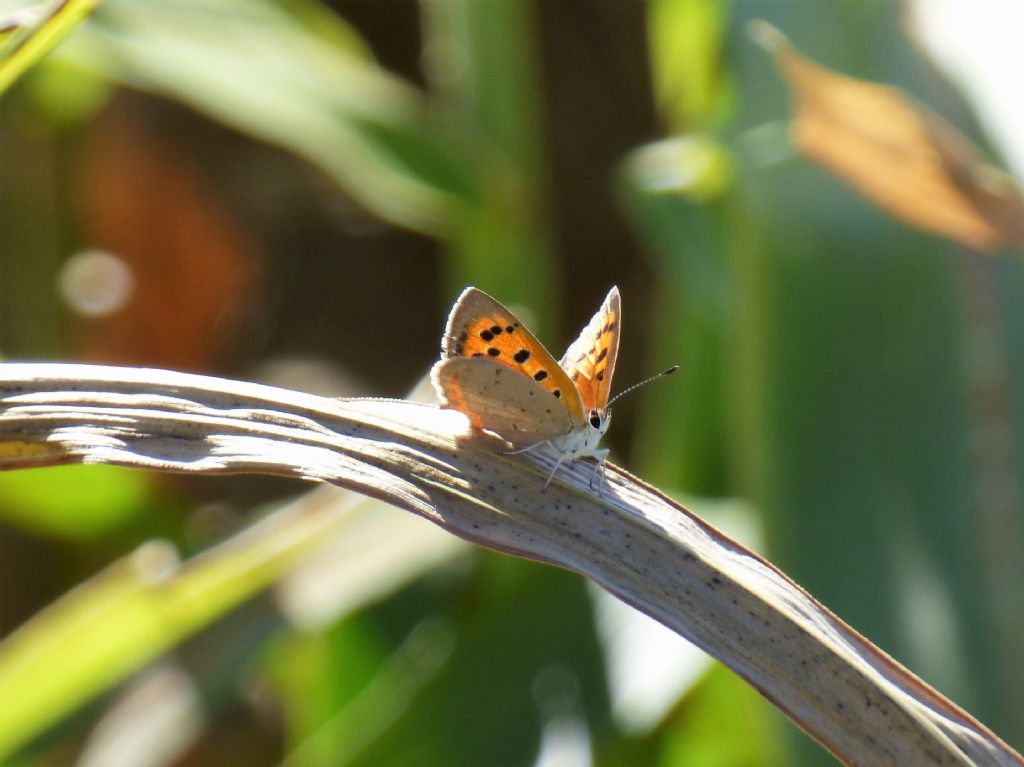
column 629, row 538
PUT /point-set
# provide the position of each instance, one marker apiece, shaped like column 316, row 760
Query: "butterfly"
column 496, row 372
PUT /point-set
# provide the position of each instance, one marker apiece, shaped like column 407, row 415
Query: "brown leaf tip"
column 767, row 36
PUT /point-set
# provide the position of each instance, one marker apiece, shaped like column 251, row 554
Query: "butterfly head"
column 598, row 420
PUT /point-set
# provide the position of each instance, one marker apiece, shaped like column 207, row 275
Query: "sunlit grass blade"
column 27, row 37
column 146, row 603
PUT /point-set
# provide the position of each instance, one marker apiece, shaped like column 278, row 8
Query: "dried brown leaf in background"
column 194, row 270
column 896, row 153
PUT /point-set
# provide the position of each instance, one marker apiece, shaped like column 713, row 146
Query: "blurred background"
column 294, row 192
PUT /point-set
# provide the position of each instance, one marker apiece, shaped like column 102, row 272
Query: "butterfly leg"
column 526, row 449
column 601, row 456
column 554, row 469
column 562, row 456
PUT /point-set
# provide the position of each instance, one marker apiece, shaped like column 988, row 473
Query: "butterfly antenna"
column 668, row 372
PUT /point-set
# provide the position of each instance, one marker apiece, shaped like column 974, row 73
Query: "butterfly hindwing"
column 499, row 399
column 590, row 360
column 480, row 328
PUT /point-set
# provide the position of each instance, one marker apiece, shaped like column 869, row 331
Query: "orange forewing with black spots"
column 590, row 361
column 506, row 342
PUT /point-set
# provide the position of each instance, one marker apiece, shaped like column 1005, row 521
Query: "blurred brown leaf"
column 896, row 153
column 194, row 270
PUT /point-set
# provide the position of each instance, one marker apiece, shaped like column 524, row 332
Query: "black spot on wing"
column 493, row 351
column 540, row 375
column 521, row 356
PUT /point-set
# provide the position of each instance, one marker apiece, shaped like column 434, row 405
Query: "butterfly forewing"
column 590, row 360
column 480, row 328
column 498, row 398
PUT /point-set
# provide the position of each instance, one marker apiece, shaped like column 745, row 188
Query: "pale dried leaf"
column 898, row 154
column 629, row 538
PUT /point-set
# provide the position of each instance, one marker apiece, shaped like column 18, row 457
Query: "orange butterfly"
column 496, row 372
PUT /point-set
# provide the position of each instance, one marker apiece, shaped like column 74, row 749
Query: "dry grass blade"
column 630, row 539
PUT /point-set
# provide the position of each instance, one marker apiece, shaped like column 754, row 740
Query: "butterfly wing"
column 480, row 328
column 590, row 360
column 499, row 398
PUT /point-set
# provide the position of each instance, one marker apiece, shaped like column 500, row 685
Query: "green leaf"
column 72, row 501
column 264, row 71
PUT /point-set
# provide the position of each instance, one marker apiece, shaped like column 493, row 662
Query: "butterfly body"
column 582, row 442
column 493, row 369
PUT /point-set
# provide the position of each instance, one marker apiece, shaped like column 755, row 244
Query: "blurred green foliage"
column 75, row 501
column 830, row 371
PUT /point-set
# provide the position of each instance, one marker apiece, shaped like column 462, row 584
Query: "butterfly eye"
column 595, row 419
